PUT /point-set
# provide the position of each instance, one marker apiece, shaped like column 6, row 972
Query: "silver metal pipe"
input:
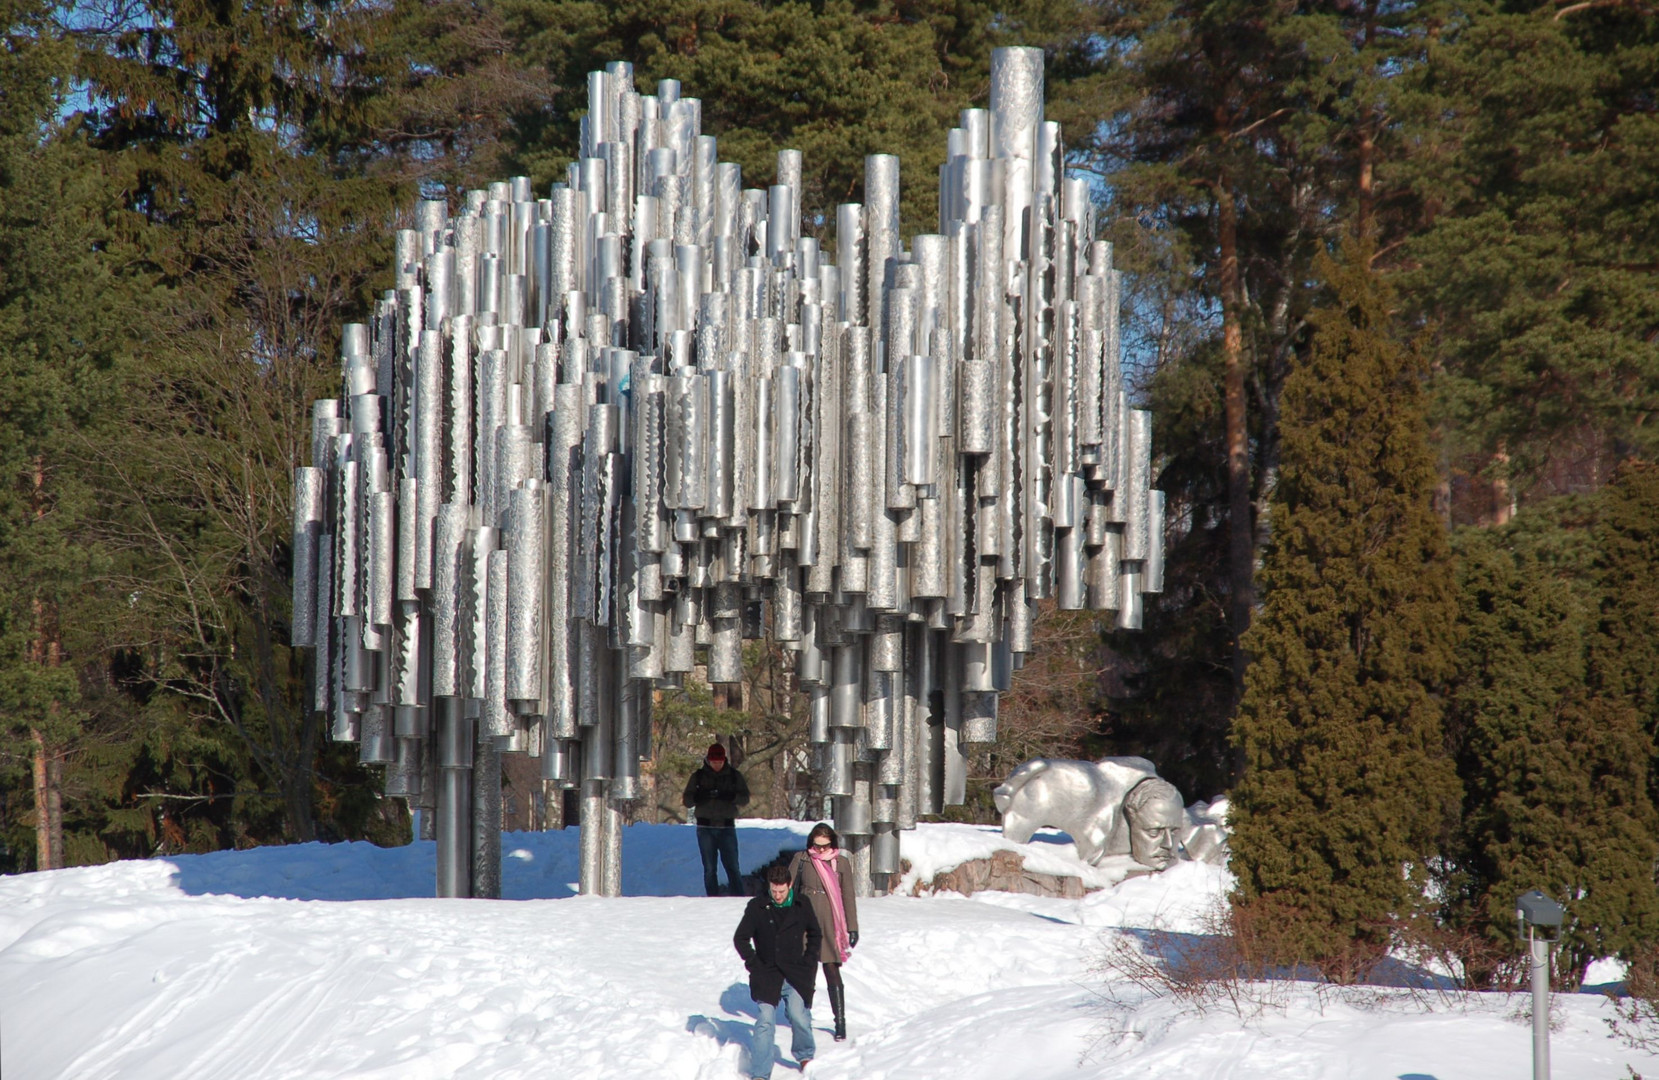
column 476, row 639
column 1016, row 114
column 726, row 653
column 382, row 556
column 526, row 556
column 496, row 720
column 325, row 631
column 610, row 851
column 852, row 811
column 846, row 686
column 310, row 503
column 884, row 849
column 1154, row 565
column 486, row 819
column 979, row 716
column 448, row 604
column 880, row 709
column 592, row 869
column 454, row 810
column 881, row 230
column 927, row 727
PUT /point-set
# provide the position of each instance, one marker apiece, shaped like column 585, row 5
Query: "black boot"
column 838, row 1006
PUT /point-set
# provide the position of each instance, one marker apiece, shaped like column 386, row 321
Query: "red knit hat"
column 716, row 753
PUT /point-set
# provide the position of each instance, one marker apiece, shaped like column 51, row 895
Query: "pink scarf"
column 825, row 865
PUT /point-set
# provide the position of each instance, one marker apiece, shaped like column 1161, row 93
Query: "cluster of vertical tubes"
column 592, row 442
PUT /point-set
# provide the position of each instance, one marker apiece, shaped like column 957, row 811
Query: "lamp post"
column 1537, row 912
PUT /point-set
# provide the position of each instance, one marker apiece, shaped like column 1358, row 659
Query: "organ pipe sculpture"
column 595, row 440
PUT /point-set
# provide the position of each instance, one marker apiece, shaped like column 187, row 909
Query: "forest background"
column 1392, row 296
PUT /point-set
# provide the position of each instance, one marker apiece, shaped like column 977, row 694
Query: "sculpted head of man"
column 1155, row 816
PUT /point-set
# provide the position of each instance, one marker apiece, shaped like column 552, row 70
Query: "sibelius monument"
column 593, row 441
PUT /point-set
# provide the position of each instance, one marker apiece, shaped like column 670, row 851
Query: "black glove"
column 852, row 938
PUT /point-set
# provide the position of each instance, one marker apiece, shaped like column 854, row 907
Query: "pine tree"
column 1536, row 169
column 59, row 347
column 836, row 80
column 266, row 153
column 1346, row 786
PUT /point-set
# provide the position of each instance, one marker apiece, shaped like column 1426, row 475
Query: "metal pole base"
column 1540, row 1007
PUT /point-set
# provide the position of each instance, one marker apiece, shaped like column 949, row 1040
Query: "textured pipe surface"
column 526, row 555
column 486, row 819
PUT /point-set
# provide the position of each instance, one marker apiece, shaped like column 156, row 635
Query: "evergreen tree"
column 1346, row 786
column 1554, row 767
column 1243, row 138
column 1535, row 164
column 836, row 80
column 266, row 152
column 59, row 346
column 1625, row 663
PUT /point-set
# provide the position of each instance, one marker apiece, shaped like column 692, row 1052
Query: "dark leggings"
column 832, row 974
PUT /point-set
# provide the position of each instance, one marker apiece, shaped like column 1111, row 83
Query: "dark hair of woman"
column 823, row 831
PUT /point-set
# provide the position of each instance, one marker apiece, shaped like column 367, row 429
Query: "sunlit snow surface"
column 320, row 961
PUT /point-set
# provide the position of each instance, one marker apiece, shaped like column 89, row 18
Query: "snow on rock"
column 333, row 961
column 948, row 846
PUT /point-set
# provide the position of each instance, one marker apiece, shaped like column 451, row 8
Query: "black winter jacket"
column 778, row 944
column 715, row 796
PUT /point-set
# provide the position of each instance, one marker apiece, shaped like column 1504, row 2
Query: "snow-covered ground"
column 321, row 961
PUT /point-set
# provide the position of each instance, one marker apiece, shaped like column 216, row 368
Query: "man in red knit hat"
column 713, row 794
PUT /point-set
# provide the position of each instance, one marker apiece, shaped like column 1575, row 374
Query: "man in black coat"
column 713, row 794
column 779, row 941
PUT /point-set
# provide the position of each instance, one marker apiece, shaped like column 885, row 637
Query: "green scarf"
column 788, row 901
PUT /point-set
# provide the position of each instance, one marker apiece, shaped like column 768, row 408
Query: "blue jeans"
column 801, row 1044
column 722, row 839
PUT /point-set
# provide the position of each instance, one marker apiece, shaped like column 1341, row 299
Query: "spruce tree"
column 1346, row 786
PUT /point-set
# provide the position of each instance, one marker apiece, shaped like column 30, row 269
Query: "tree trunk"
column 1503, row 497
column 46, row 651
column 47, row 855
column 54, row 809
column 296, row 799
column 1367, row 182
column 1241, row 546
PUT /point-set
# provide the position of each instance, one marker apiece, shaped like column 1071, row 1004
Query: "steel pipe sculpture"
column 593, row 440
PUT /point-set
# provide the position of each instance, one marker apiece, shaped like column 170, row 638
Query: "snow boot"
column 838, row 1006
